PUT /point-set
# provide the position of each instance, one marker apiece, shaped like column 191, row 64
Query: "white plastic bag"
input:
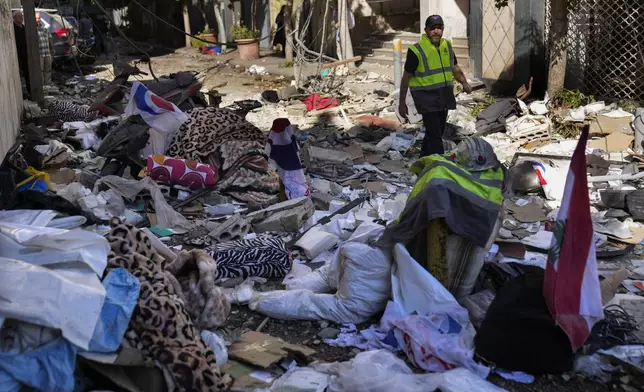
column 360, row 273
column 39, row 218
column 218, row 346
column 166, row 216
column 297, row 271
column 62, row 297
column 415, row 290
column 301, row 379
column 463, row 380
column 243, row 292
column 377, row 371
column 439, row 336
column 49, row 246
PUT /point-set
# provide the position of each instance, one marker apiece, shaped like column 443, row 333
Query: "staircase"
column 378, row 48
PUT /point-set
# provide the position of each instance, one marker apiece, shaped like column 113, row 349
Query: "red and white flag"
column 571, row 284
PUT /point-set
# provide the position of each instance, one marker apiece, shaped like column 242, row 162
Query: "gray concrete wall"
column 455, row 14
column 10, row 88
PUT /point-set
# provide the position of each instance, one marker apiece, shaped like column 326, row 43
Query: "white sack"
column 360, row 273
column 65, row 298
column 438, row 336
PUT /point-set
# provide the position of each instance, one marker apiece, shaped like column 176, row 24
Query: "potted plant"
column 247, row 42
column 205, row 35
column 208, row 36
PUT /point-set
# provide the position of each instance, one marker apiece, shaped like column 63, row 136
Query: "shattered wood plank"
column 328, row 110
column 342, row 62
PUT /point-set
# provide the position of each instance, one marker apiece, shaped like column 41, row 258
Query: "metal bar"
column 397, row 63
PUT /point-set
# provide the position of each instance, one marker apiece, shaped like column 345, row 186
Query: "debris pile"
column 160, row 244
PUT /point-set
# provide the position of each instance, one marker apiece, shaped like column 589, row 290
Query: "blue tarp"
column 121, row 294
column 48, row 368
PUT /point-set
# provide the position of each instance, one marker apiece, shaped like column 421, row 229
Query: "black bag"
column 518, row 332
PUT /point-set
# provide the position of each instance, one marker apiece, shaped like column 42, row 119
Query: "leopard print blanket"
column 161, row 326
column 235, row 147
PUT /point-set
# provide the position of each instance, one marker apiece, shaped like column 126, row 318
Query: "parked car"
column 62, row 33
column 85, row 40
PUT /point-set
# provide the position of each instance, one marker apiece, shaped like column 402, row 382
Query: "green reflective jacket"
column 435, row 65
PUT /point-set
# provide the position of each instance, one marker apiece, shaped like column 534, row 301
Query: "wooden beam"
column 342, row 62
column 33, row 52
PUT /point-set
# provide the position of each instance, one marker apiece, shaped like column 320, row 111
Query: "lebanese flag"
column 156, row 111
column 571, row 283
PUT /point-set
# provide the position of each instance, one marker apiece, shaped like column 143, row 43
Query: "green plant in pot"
column 247, row 42
column 205, row 35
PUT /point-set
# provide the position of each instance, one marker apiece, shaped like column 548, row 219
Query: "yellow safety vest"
column 487, row 185
column 435, row 65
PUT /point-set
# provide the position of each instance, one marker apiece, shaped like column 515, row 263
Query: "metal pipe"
column 397, row 63
column 638, row 127
column 617, row 177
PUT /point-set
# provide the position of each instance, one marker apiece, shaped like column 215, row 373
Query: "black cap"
column 434, row 20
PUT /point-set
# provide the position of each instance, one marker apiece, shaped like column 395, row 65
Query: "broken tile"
column 530, row 212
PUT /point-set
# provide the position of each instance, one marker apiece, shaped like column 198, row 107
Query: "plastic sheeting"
column 359, row 276
column 438, row 336
column 45, row 246
column 66, row 298
column 382, row 371
column 166, row 216
column 48, row 367
column 122, row 293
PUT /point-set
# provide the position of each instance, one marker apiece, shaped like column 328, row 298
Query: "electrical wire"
column 615, row 329
column 148, row 58
column 192, row 35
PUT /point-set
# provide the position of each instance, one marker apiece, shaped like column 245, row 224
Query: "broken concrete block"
column 323, row 154
column 261, row 214
column 231, row 229
column 287, row 92
column 325, row 186
column 329, row 333
column 394, row 155
column 316, row 241
column 299, row 109
column 288, row 216
column 322, row 200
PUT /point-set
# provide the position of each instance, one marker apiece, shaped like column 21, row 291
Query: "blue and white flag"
column 156, row 111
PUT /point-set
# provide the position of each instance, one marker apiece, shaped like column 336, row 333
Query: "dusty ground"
column 305, row 333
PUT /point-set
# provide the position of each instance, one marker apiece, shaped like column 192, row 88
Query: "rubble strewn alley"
column 220, row 218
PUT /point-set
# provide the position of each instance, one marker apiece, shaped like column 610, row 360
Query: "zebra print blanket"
column 264, row 256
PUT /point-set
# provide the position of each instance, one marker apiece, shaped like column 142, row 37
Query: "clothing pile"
column 161, row 326
column 236, row 148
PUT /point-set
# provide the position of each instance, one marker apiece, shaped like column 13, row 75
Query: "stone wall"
column 10, row 88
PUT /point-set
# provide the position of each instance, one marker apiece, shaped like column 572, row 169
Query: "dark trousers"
column 434, row 123
column 22, row 65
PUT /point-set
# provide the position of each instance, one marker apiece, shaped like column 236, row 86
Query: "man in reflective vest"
column 430, row 70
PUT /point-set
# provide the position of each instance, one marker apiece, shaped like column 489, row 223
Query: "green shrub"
column 242, row 32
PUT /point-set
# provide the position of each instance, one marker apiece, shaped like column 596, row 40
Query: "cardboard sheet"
column 263, row 350
column 606, row 125
column 614, row 142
